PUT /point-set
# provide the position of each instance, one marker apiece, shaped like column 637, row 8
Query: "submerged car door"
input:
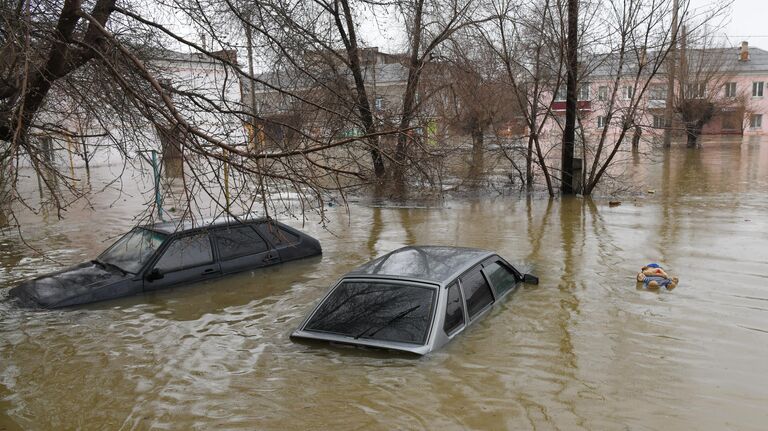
column 241, row 248
column 187, row 259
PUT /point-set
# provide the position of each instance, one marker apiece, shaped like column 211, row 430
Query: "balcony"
column 581, row 105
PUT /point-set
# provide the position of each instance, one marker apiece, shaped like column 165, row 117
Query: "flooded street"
column 582, row 350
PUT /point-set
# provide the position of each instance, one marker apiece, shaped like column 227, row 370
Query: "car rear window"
column 376, row 311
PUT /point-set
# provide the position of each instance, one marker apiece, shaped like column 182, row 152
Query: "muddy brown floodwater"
column 582, row 350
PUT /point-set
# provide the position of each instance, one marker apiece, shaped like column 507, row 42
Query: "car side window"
column 476, row 291
column 277, row 235
column 238, row 241
column 454, row 310
column 186, row 252
column 501, row 277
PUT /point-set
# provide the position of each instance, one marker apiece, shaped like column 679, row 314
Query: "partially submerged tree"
column 704, row 91
column 473, row 97
column 639, row 42
column 526, row 39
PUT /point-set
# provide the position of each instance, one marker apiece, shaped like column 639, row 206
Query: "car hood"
column 56, row 288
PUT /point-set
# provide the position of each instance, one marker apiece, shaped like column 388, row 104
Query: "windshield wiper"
column 108, row 264
column 388, row 322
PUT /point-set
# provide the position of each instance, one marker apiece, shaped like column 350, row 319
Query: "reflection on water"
column 582, row 350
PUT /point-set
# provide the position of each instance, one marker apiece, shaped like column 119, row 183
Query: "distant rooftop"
column 197, row 57
column 727, row 58
column 758, row 61
column 431, row 263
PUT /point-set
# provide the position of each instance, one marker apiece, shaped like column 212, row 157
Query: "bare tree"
column 527, row 40
column 641, row 38
column 704, row 93
column 474, row 96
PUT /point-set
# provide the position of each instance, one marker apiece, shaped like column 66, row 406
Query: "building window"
column 629, row 91
column 378, row 103
column 732, row 121
column 756, row 121
column 600, row 121
column 561, row 94
column 584, row 91
column 696, row 90
column 602, row 93
column 658, row 122
column 730, row 89
column 757, row 89
column 658, row 92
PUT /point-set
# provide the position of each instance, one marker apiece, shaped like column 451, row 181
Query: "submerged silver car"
column 414, row 299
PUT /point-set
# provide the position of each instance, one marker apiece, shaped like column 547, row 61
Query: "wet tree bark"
column 349, row 37
column 693, row 132
column 569, row 134
column 62, row 59
column 636, row 137
column 477, row 152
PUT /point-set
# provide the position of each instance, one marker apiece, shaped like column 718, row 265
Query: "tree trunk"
column 529, row 163
column 569, row 134
column 669, row 110
column 476, row 168
column 364, row 106
column 636, row 137
column 693, row 133
column 415, row 64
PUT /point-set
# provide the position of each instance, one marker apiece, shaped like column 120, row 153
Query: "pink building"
column 746, row 79
column 736, row 82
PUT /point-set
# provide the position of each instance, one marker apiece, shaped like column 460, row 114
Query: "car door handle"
column 209, row 271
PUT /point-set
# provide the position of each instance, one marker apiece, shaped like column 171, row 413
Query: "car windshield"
column 376, row 311
column 132, row 251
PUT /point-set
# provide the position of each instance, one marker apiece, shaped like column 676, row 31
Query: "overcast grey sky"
column 746, row 21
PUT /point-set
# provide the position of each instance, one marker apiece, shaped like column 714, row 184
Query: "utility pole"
column 569, row 133
column 669, row 108
column 252, row 90
column 684, row 62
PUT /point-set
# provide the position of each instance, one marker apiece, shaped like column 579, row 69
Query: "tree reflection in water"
column 377, row 311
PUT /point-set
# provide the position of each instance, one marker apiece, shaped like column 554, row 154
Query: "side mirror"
column 530, row 279
column 155, row 274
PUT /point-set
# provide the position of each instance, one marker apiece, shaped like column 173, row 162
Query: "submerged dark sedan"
column 414, row 299
column 165, row 254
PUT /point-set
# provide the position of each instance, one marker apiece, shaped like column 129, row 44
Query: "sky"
column 746, row 21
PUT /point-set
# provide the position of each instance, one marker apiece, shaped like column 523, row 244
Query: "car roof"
column 438, row 264
column 184, row 225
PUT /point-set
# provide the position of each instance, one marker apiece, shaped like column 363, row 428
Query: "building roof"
column 758, row 61
column 157, row 54
column 296, row 79
column 432, row 263
column 724, row 60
